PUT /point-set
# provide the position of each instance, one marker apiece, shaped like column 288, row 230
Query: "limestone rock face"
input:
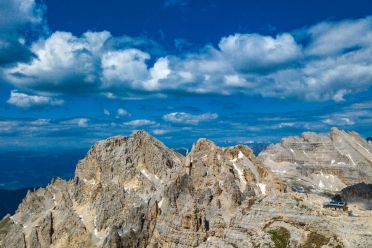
column 321, row 162
column 135, row 192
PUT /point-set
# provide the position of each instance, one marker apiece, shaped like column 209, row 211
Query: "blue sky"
column 74, row 72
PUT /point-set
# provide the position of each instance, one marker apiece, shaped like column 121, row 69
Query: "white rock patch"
column 153, row 178
column 240, row 174
column 91, row 181
column 262, row 188
column 321, row 184
column 240, row 155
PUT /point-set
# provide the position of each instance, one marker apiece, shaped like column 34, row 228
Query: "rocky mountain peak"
column 120, row 157
column 335, row 131
column 203, row 144
column 138, row 138
column 135, row 192
column 145, row 138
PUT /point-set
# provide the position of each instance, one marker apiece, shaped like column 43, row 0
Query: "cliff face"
column 135, row 192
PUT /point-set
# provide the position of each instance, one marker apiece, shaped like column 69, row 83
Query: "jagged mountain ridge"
column 135, row 192
column 321, row 162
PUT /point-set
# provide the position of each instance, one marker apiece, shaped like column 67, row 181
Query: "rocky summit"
column 135, row 192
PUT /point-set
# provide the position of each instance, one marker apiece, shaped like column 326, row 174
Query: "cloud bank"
column 23, row 100
column 326, row 61
column 180, row 129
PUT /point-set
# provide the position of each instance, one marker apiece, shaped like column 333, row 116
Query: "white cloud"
column 15, row 17
column 139, row 123
column 329, row 38
column 160, row 131
column 159, row 71
column 254, row 52
column 352, row 115
column 339, row 121
column 122, row 112
column 23, row 100
column 234, row 80
column 64, row 64
column 80, row 122
column 185, row 118
column 276, row 67
column 40, row 122
column 124, row 68
column 335, row 63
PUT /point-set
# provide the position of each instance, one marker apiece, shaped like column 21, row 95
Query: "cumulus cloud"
column 333, row 63
column 23, row 100
column 64, row 64
column 282, row 66
column 16, row 16
column 124, row 68
column 159, row 71
column 139, row 123
column 185, row 118
column 256, row 53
